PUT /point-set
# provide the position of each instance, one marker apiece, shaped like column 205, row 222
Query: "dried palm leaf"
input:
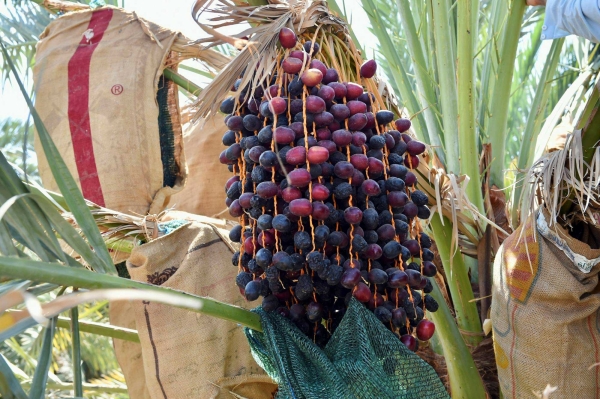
column 561, row 177
column 184, row 49
column 569, row 107
column 312, row 19
column 567, row 175
column 61, row 5
column 120, row 231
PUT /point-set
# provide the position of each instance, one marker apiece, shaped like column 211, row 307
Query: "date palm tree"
column 479, row 84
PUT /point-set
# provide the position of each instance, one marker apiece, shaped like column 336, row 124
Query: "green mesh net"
column 362, row 360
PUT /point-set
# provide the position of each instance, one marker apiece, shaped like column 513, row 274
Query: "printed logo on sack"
column 89, row 35
column 116, row 89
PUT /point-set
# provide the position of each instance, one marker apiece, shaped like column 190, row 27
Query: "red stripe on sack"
column 595, row 353
column 78, row 111
column 515, row 292
column 520, row 275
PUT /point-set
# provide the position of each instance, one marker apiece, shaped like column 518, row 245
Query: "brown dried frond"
column 560, row 177
column 261, row 48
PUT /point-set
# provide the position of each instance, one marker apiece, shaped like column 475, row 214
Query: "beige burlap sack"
column 205, row 192
column 129, row 354
column 115, row 121
column 545, row 313
column 186, row 354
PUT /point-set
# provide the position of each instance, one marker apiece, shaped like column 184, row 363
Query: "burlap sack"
column 129, row 354
column 545, row 313
column 114, row 119
column 115, row 122
column 205, row 192
column 186, row 354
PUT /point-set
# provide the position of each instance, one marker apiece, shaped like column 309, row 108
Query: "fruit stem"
column 467, row 316
column 182, row 82
column 502, row 90
column 467, row 136
column 442, row 31
column 465, row 381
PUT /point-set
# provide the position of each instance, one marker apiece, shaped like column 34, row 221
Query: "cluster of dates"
column 324, row 189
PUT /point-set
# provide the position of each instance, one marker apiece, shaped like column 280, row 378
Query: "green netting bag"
column 362, row 360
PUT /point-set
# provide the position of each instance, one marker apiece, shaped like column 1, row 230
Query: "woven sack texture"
column 204, row 193
column 545, row 315
column 187, row 354
column 113, row 117
column 362, row 360
column 129, row 354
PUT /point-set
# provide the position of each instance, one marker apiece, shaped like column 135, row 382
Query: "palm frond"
column 16, row 141
column 20, row 29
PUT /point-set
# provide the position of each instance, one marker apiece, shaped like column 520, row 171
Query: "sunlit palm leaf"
column 20, row 28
